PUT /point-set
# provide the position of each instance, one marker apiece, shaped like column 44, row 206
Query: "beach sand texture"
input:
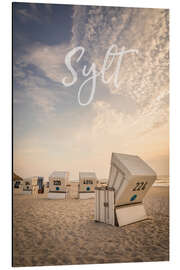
column 58, row 232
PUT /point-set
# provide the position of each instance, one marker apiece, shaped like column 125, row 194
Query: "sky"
column 51, row 130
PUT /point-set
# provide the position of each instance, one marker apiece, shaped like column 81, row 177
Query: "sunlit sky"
column 51, row 130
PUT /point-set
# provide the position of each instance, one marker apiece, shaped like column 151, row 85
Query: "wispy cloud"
column 140, row 127
column 34, row 13
column 43, row 95
column 26, row 15
column 50, row 59
column 143, row 77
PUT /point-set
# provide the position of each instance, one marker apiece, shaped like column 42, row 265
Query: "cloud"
column 26, row 15
column 44, row 99
column 139, row 125
column 18, row 73
column 107, row 120
column 50, row 59
column 35, row 12
column 43, row 95
column 143, row 77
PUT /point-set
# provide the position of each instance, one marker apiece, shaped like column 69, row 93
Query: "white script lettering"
column 111, row 53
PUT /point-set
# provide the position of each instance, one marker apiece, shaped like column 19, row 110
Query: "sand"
column 58, row 232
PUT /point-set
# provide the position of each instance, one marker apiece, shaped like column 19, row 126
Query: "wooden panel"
column 130, row 214
column 118, row 181
column 97, row 205
column 102, row 208
column 54, row 195
column 133, row 191
column 106, row 206
column 111, row 207
column 112, row 176
column 86, row 195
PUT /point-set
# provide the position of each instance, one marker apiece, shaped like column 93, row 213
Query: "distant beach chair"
column 17, row 186
column 87, row 184
column 31, row 184
column 58, row 182
column 35, row 191
column 121, row 201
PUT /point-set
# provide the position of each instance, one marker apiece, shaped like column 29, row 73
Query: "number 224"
column 140, row 186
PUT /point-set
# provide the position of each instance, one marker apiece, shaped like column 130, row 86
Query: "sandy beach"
column 58, row 232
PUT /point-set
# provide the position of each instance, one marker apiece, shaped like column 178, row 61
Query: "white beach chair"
column 121, row 202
